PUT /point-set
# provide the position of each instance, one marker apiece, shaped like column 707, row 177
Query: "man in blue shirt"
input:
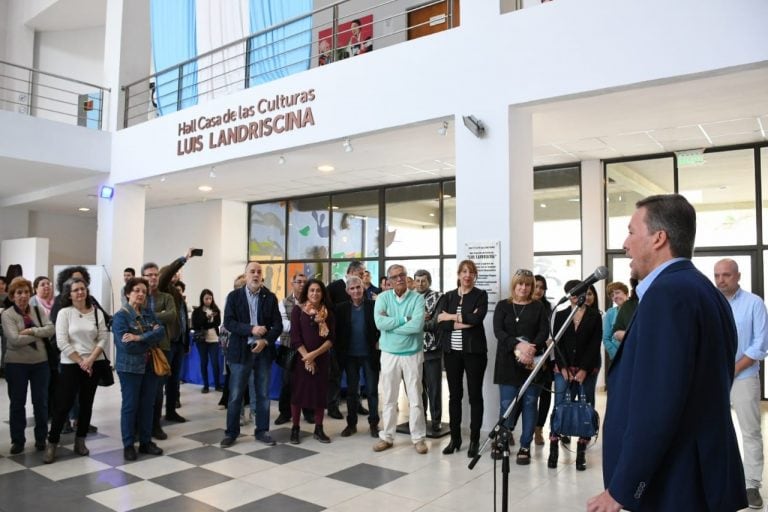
column 749, row 312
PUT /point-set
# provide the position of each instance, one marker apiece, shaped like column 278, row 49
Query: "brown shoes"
column 381, row 446
column 421, row 447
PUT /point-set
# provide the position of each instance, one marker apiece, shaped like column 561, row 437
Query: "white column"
column 234, row 245
column 593, row 221
column 120, row 233
column 494, row 201
column 127, row 50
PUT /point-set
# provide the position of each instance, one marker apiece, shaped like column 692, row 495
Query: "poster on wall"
column 486, row 256
column 354, row 37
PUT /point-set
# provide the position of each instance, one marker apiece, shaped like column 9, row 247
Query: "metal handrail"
column 40, row 94
column 54, row 75
column 146, row 100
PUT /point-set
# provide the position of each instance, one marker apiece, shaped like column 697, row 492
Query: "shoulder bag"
column 286, row 357
column 106, row 375
column 575, row 417
column 159, row 362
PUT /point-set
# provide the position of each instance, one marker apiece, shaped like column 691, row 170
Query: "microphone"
column 599, row 274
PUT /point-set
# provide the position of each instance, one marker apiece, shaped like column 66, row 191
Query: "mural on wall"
column 354, row 37
column 267, row 233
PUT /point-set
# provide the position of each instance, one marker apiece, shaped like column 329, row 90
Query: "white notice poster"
column 487, row 258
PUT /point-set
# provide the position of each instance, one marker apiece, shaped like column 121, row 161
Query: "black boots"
column 295, row 434
column 581, row 455
column 453, row 446
column 554, row 451
column 320, row 435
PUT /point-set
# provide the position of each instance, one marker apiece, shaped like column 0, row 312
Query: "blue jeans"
column 561, row 387
column 352, row 367
column 36, row 376
column 138, row 392
column 239, row 374
column 209, row 351
column 531, row 397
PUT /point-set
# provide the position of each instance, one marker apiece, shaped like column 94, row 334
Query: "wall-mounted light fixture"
column 474, row 125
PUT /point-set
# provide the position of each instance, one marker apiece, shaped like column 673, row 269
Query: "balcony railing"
column 40, row 94
column 341, row 30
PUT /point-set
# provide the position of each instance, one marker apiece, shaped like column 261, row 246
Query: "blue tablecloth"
column 190, row 372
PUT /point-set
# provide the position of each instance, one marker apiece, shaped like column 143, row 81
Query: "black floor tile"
column 98, row 481
column 279, row 502
column 113, row 457
column 208, row 437
column 190, row 480
column 204, row 455
column 27, row 490
column 366, row 475
column 282, row 453
column 32, row 458
column 184, row 503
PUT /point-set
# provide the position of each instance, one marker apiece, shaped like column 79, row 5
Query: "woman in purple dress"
column 313, row 330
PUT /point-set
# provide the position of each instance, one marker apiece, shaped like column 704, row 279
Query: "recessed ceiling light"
column 162, row 180
column 334, row 207
column 431, row 214
column 204, row 188
column 281, row 160
column 325, row 168
column 446, row 196
column 543, row 205
column 83, row 209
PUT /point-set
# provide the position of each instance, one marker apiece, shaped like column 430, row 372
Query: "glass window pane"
column 556, row 210
column 313, row 270
column 449, row 275
column 308, row 228
column 706, row 265
column 557, row 269
column 722, row 190
column 413, row 216
column 627, row 183
column 355, row 225
column 274, row 278
column 449, row 217
column 432, row 266
column 266, row 241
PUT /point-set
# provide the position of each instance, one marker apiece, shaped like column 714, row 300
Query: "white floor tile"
column 239, row 466
column 133, row 496
column 152, row 467
column 69, row 468
column 230, row 494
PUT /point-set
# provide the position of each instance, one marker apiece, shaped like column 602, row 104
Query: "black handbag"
column 575, row 417
column 286, row 357
column 106, row 374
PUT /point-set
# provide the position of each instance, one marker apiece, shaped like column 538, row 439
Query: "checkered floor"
column 195, row 474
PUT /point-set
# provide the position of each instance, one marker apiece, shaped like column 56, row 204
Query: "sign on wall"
column 486, row 256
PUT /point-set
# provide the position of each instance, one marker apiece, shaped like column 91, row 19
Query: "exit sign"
column 690, row 158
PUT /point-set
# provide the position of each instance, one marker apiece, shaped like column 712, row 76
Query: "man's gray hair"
column 352, row 280
column 421, row 272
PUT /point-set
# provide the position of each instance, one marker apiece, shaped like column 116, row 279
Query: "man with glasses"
column 399, row 316
column 284, row 404
column 165, row 310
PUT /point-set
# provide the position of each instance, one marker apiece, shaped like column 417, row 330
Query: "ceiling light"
column 83, row 209
column 443, row 130
column 431, row 214
column 162, row 180
column 204, row 188
column 212, row 174
column 334, row 207
column 543, row 205
column 446, row 196
column 106, row 192
column 325, row 168
column 347, row 145
column 281, row 160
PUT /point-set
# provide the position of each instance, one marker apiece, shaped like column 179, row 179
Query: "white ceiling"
column 729, row 108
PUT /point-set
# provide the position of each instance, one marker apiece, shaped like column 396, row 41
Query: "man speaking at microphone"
column 668, row 438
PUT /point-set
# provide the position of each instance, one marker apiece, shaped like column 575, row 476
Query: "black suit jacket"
column 237, row 320
column 344, row 331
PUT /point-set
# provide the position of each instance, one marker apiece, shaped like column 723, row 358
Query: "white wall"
column 30, row 253
column 525, row 63
column 72, row 238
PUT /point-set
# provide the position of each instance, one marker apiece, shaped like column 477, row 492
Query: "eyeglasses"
column 523, row 272
column 397, row 277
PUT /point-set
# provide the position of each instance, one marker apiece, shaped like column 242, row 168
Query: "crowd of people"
column 402, row 332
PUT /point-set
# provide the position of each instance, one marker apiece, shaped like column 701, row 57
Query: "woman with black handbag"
column 82, row 337
column 577, row 360
column 206, row 319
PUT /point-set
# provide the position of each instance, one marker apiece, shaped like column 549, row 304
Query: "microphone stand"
column 499, row 435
